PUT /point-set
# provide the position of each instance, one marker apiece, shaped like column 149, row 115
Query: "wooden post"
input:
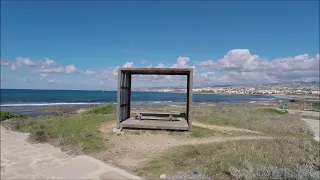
column 119, row 99
column 189, row 98
column 129, row 95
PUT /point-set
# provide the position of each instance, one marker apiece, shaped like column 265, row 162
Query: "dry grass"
column 311, row 117
column 230, row 159
column 76, row 132
column 218, row 153
column 252, row 117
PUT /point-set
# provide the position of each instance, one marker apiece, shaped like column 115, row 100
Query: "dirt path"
column 224, row 139
column 131, row 150
column 223, row 128
column 22, row 160
column 315, row 126
column 304, row 113
column 313, row 123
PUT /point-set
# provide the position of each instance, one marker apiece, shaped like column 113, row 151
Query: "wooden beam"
column 119, row 99
column 129, row 95
column 189, row 99
column 154, row 124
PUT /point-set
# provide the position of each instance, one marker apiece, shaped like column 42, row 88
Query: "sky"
column 81, row 44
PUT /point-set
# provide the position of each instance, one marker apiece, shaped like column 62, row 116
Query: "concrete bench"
column 170, row 115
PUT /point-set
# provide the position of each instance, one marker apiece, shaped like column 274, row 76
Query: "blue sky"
column 226, row 42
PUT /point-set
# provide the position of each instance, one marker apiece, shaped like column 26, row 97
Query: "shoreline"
column 35, row 111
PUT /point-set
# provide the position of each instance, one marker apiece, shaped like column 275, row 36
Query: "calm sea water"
column 19, row 97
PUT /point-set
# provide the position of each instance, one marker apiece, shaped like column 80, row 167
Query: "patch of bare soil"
column 81, row 110
column 133, row 148
column 130, row 150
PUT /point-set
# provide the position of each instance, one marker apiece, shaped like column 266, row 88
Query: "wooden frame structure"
column 124, row 99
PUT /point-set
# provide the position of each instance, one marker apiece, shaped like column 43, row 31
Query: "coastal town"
column 294, row 88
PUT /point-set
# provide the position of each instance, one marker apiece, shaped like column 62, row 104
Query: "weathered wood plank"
column 152, row 124
column 163, row 71
column 162, row 114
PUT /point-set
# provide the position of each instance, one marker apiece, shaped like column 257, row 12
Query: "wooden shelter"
column 124, row 101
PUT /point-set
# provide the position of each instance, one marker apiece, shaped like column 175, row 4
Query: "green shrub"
column 106, row 109
column 76, row 132
column 316, row 106
column 7, row 115
column 276, row 111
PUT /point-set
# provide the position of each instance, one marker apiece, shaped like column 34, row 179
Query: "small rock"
column 163, row 176
column 117, row 131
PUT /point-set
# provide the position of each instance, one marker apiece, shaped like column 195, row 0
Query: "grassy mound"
column 253, row 117
column 241, row 160
column 276, row 111
column 76, row 132
column 106, row 109
column 7, row 115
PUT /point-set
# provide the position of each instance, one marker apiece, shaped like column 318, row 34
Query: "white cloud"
column 47, row 66
column 90, row 72
column 13, row 67
column 111, row 73
column 49, row 61
column 25, row 61
column 160, row 65
column 51, row 69
column 208, row 63
column 128, row 64
column 70, row 69
column 4, row 63
column 207, row 74
column 115, row 71
column 301, row 62
column 181, row 62
column 242, row 60
column 241, row 66
column 236, row 60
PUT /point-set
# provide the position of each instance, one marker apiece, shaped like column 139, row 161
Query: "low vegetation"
column 254, row 159
column 312, row 117
column 275, row 111
column 7, row 115
column 76, row 132
column 106, row 109
column 316, row 106
column 253, row 117
column 290, row 154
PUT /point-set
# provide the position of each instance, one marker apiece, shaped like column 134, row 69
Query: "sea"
column 27, row 97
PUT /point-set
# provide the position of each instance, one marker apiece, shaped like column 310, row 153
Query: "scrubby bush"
column 276, row 111
column 7, row 115
column 316, row 106
column 299, row 172
column 39, row 136
column 15, row 124
column 106, row 109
